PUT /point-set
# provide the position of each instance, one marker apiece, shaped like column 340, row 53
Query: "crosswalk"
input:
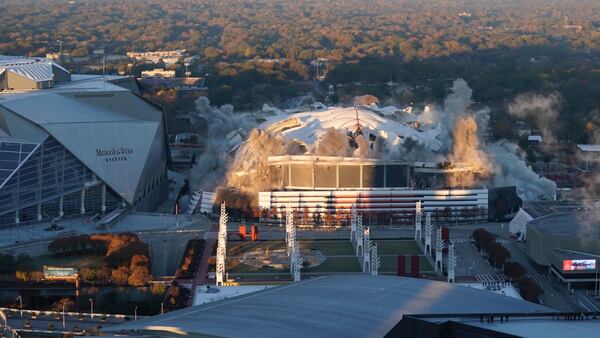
column 539, row 278
column 466, row 240
column 491, row 278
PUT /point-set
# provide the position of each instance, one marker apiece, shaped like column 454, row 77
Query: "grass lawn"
column 390, row 264
column 397, row 247
column 82, row 261
column 329, row 248
column 336, row 264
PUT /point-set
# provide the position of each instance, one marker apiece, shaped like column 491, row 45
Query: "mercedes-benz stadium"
column 73, row 145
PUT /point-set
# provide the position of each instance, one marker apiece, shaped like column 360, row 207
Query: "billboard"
column 579, row 265
column 60, row 272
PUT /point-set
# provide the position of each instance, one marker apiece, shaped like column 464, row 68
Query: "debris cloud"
column 543, row 110
column 242, row 165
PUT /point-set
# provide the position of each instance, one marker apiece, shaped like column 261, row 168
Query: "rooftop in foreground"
column 330, row 306
column 569, row 224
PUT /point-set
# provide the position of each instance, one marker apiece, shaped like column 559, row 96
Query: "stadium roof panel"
column 34, row 68
column 329, row 306
column 569, row 224
column 589, row 147
column 119, row 128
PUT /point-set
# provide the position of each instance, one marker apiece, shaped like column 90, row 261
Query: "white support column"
column 82, row 201
column 103, row 193
column 359, row 236
column 418, row 218
column 297, row 263
column 353, row 217
column 367, row 246
column 222, row 246
column 289, row 227
column 61, row 202
column 375, row 260
column 17, row 220
column 451, row 263
column 293, row 247
column 428, row 230
column 439, row 249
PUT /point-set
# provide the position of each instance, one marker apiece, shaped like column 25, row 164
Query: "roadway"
column 53, row 321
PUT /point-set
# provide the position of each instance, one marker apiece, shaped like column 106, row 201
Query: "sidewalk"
column 132, row 222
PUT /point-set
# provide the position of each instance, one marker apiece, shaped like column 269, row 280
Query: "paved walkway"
column 201, row 273
column 132, row 222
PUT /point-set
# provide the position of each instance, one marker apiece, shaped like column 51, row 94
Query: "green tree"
column 139, row 276
column 120, row 276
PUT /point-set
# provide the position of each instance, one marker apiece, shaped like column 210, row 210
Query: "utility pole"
column 91, row 308
column 21, row 305
column 60, row 57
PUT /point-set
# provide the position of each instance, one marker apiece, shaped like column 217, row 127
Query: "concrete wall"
column 317, row 175
column 60, row 75
column 17, row 82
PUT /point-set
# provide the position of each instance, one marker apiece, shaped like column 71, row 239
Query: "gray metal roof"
column 540, row 328
column 586, row 224
column 36, row 69
column 329, row 306
column 595, row 148
column 108, row 128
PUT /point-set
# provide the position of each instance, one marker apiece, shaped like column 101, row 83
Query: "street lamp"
column 64, row 324
column 21, row 305
column 91, row 308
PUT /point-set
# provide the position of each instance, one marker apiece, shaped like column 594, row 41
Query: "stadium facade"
column 333, row 184
column 75, row 145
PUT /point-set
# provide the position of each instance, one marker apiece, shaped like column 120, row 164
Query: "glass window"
column 10, row 146
column 9, row 156
column 8, row 164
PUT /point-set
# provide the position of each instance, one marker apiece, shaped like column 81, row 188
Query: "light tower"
column 367, row 247
column 439, row 248
column 293, row 248
column 375, row 260
column 451, row 262
column 296, row 263
column 222, row 246
column 359, row 236
column 418, row 218
column 428, row 230
column 353, row 218
column 289, row 225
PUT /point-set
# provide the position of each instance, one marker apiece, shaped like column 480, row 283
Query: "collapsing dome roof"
column 309, row 127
